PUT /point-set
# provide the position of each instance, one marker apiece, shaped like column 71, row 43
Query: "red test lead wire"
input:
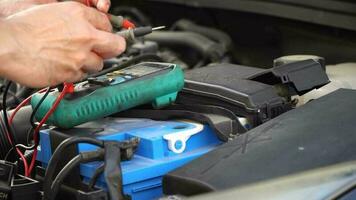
column 24, row 161
column 68, row 88
column 22, row 104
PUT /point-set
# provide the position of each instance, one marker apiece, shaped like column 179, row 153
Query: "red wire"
column 24, row 161
column 25, row 164
column 28, row 169
column 67, row 88
column 23, row 103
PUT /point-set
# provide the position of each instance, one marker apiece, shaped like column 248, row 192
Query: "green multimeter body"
column 150, row 82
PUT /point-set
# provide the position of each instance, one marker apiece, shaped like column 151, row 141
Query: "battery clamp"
column 177, row 142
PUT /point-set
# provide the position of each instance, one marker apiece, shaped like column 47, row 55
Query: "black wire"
column 140, row 58
column 18, row 145
column 32, row 118
column 5, row 117
column 31, row 130
column 57, row 155
column 96, row 176
column 62, row 175
column 4, row 142
column 15, row 98
column 83, row 157
column 20, row 165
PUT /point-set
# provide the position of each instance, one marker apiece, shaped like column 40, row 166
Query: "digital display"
column 139, row 70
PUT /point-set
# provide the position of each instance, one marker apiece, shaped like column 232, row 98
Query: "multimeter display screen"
column 139, row 70
column 124, row 75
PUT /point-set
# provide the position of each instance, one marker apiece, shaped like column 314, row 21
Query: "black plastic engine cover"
column 251, row 92
column 318, row 134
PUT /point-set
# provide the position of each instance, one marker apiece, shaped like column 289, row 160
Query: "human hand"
column 55, row 43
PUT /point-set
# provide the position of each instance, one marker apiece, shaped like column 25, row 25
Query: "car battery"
column 163, row 147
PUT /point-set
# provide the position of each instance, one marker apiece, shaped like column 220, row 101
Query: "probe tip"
column 158, row 28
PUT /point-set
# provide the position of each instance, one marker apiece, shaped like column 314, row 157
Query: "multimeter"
column 149, row 82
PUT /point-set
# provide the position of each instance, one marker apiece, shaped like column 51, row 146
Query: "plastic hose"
column 212, row 33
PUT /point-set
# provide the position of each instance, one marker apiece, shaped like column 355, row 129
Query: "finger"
column 98, row 19
column 108, row 45
column 74, row 76
column 102, row 5
column 93, row 63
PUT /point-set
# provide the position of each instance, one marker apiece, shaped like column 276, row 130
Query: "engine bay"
column 163, row 120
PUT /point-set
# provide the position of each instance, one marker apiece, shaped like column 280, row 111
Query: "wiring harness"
column 111, row 152
column 28, row 167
